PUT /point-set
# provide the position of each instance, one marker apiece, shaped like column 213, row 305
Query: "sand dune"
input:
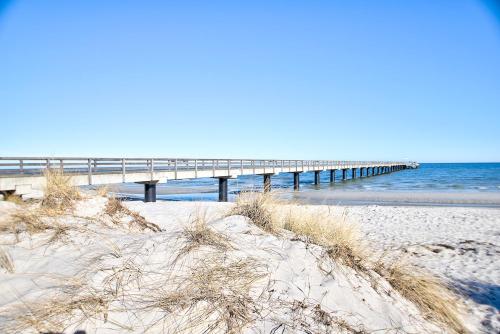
column 101, row 271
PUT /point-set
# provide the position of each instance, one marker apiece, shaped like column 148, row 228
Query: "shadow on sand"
column 480, row 292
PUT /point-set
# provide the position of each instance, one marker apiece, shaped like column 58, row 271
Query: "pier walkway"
column 22, row 175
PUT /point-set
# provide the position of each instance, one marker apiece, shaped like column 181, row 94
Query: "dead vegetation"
column 217, row 293
column 59, row 194
column 56, row 314
column 342, row 242
column 118, row 212
column 436, row 301
column 120, row 277
column 258, row 208
column 13, row 198
column 197, row 234
column 340, row 238
column 6, row 261
column 102, row 191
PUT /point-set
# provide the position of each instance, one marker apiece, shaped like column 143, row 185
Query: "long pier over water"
column 22, row 175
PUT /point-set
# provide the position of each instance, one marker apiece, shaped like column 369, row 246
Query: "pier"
column 22, row 175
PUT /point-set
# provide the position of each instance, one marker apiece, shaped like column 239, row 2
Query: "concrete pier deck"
column 22, row 175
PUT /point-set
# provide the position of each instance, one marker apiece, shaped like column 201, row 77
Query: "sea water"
column 429, row 177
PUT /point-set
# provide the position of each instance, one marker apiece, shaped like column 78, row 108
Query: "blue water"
column 431, row 177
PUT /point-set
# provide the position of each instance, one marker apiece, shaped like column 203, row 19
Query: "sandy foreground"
column 119, row 278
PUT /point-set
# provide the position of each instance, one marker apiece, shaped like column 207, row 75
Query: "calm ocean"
column 430, row 177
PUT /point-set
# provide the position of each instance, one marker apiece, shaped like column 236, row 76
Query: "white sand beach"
column 101, row 273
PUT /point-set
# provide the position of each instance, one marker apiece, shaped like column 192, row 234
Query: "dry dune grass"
column 342, row 242
column 13, row 198
column 59, row 194
column 258, row 207
column 6, row 261
column 54, row 315
column 197, row 234
column 23, row 220
column 102, row 191
column 120, row 277
column 340, row 238
column 217, row 293
column 59, row 197
column 436, row 301
column 117, row 211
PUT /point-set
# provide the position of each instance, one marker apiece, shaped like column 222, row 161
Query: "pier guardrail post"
column 89, row 171
column 123, row 170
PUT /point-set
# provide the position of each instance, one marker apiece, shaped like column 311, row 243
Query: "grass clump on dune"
column 217, row 294
column 436, row 301
column 258, row 208
column 59, row 194
column 6, row 261
column 197, row 233
column 59, row 197
column 117, row 211
column 55, row 314
column 13, row 198
column 340, row 238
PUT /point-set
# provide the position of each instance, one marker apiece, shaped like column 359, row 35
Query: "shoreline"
column 329, row 196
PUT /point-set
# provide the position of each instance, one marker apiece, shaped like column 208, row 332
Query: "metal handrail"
column 12, row 166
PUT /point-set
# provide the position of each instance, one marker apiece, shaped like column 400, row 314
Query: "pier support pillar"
column 332, row 175
column 361, row 171
column 267, row 182
column 354, row 173
column 344, row 174
column 316, row 177
column 296, row 181
column 150, row 191
column 223, row 189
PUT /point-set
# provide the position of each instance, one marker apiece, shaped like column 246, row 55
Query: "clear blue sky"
column 264, row 79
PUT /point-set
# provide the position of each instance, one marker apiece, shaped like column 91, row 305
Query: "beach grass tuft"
column 59, row 194
column 117, row 211
column 435, row 300
column 197, row 233
column 54, row 315
column 217, row 294
column 258, row 207
column 340, row 238
column 13, row 198
column 6, row 261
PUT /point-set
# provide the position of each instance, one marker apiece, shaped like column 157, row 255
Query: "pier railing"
column 28, row 166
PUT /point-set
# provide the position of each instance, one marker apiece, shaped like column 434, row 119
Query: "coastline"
column 399, row 198
column 329, row 196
